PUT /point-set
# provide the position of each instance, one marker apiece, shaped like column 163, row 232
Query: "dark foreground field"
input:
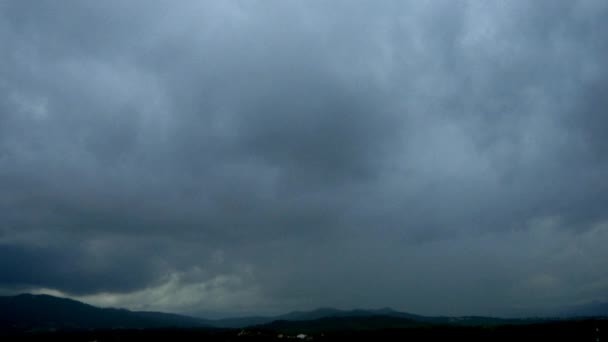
column 573, row 330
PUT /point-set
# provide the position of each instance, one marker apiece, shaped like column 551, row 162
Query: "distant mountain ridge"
column 341, row 324
column 325, row 313
column 316, row 314
column 43, row 312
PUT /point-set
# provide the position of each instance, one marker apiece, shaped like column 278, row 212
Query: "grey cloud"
column 76, row 269
column 241, row 150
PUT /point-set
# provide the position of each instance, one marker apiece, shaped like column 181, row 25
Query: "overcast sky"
column 232, row 157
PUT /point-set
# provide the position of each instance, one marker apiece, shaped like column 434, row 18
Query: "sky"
column 257, row 157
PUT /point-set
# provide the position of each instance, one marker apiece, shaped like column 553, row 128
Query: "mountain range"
column 27, row 312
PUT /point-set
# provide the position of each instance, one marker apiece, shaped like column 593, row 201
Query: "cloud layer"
column 439, row 157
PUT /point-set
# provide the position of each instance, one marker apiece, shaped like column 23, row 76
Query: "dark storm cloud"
column 78, row 269
column 225, row 156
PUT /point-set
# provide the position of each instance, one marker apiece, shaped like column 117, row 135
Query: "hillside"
column 43, row 312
